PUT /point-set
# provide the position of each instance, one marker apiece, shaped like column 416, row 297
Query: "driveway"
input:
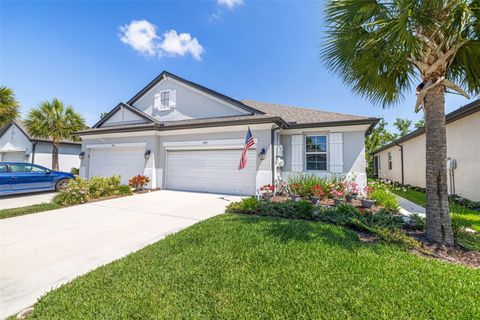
column 44, row 250
column 26, row 199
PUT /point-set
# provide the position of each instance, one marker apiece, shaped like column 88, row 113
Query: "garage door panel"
column 126, row 162
column 14, row 157
column 211, row 171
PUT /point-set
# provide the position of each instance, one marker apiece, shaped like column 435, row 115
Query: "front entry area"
column 214, row 171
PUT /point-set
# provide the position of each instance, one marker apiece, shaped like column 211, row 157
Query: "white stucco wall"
column 15, row 140
column 190, row 104
column 463, row 144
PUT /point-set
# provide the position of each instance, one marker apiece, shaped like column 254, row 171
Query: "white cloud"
column 230, row 3
column 142, row 36
column 180, row 44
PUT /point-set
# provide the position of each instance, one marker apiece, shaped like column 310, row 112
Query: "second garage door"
column 126, row 162
column 212, row 171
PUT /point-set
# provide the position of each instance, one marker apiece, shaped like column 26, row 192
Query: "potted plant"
column 351, row 191
column 295, row 190
column 338, row 196
column 367, row 201
column 318, row 193
column 267, row 191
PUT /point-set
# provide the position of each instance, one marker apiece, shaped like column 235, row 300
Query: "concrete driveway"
column 44, row 250
column 26, row 199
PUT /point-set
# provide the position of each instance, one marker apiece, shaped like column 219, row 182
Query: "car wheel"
column 61, row 185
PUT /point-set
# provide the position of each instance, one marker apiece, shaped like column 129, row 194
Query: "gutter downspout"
column 401, row 161
column 272, row 140
column 33, row 151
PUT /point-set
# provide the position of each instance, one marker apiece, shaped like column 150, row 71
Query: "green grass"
column 14, row 212
column 250, row 267
column 461, row 216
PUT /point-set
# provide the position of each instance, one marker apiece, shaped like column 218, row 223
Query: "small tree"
column 403, row 126
column 8, row 106
column 56, row 121
column 376, row 139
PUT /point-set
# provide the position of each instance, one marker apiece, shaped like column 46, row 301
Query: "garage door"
column 126, row 162
column 211, row 171
column 13, row 156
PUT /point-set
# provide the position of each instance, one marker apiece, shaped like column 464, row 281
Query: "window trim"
column 161, row 106
column 305, row 152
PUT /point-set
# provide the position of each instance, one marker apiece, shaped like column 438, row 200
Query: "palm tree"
column 381, row 47
column 8, row 106
column 56, row 121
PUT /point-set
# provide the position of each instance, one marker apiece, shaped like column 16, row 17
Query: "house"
column 188, row 137
column 403, row 160
column 18, row 146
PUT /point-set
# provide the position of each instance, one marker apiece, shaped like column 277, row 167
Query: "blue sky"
column 267, row 51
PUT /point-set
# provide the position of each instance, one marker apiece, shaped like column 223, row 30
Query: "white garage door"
column 13, row 156
column 126, row 162
column 214, row 171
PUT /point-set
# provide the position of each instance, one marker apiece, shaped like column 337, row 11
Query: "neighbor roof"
column 21, row 125
column 458, row 114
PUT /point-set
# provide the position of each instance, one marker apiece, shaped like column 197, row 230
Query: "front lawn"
column 250, row 267
column 461, row 216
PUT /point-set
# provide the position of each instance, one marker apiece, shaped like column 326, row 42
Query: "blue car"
column 21, row 177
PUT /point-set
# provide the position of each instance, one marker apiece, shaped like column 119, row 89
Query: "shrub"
column 385, row 198
column 75, row 171
column 81, row 190
column 138, row 182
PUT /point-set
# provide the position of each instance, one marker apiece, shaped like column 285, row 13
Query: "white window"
column 390, row 161
column 164, row 100
column 316, row 153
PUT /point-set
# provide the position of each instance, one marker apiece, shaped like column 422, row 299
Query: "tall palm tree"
column 56, row 121
column 8, row 106
column 381, row 47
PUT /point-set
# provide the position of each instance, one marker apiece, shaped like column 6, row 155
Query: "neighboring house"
column 187, row 137
column 18, row 146
column 403, row 160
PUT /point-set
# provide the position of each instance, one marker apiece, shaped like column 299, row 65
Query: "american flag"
column 248, row 144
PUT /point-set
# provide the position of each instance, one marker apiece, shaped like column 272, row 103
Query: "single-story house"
column 184, row 136
column 403, row 160
column 17, row 145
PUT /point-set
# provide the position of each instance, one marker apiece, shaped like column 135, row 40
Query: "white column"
column 297, row 153
column 336, row 152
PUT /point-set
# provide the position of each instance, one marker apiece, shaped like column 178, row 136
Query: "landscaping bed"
column 251, row 267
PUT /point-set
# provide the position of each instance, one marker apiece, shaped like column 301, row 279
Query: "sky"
column 93, row 55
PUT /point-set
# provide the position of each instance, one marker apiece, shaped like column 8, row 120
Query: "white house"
column 188, row 137
column 403, row 160
column 17, row 145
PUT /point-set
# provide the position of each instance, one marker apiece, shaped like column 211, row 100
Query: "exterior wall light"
column 147, row 154
column 81, row 154
column 263, row 154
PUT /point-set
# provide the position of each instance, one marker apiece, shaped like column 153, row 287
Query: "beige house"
column 403, row 160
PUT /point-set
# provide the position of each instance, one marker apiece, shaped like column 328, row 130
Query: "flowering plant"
column 267, row 189
column 138, row 182
column 318, row 191
column 295, row 189
column 351, row 188
column 368, row 190
column 337, row 194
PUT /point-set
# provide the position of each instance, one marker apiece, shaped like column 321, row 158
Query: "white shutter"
column 336, row 152
column 157, row 101
column 297, row 153
column 172, row 98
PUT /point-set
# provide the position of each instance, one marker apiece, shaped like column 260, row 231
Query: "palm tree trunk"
column 55, row 156
column 439, row 228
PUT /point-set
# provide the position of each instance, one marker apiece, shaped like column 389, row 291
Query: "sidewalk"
column 407, row 207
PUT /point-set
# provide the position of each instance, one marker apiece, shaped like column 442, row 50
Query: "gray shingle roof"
column 300, row 115
column 21, row 124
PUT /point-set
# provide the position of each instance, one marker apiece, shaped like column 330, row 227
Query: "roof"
column 458, row 114
column 259, row 112
column 21, row 125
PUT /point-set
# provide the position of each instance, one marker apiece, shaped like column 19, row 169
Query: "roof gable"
column 193, row 101
column 123, row 114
